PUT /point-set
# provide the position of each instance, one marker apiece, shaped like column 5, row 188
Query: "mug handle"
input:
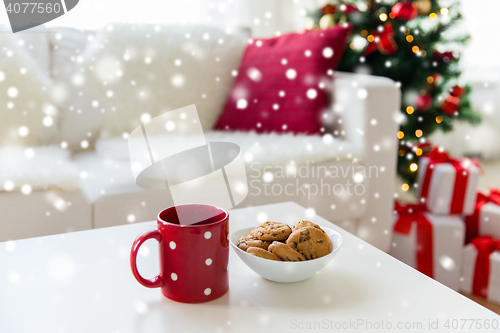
column 157, row 280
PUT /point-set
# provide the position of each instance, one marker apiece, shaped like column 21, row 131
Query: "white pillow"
column 133, row 72
column 28, row 114
column 77, row 119
column 35, row 42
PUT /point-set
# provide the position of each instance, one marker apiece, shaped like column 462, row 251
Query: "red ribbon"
column 383, row 41
column 437, row 156
column 472, row 221
column 485, row 246
column 409, row 214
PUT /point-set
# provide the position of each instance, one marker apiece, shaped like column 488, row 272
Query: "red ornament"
column 443, row 57
column 437, row 78
column 384, row 41
column 423, row 102
column 404, row 11
column 457, row 91
column 329, row 9
column 347, row 8
column 450, row 105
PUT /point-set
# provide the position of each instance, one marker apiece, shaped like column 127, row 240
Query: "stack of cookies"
column 277, row 241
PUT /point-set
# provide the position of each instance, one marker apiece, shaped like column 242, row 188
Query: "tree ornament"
column 404, row 11
column 445, row 57
column 423, row 6
column 329, row 9
column 457, row 91
column 326, row 21
column 347, row 9
column 383, row 41
column 450, row 105
column 423, row 102
column 437, row 78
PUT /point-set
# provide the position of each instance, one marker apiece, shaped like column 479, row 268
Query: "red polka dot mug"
column 194, row 253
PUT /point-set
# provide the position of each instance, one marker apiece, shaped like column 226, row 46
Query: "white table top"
column 81, row 282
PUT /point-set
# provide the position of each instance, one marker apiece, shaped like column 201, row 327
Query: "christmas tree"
column 411, row 43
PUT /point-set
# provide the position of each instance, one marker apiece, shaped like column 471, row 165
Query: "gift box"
column 486, row 217
column 481, row 268
column 447, row 185
column 430, row 243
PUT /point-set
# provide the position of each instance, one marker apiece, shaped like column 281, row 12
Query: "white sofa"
column 365, row 114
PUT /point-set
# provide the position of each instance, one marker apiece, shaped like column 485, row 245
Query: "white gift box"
column 441, row 188
column 486, row 221
column 448, row 234
column 489, row 220
column 469, row 256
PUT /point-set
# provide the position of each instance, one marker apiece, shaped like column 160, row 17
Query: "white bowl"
column 283, row 271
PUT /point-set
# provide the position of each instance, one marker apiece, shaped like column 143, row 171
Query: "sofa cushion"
column 29, row 116
column 133, row 72
column 78, row 119
column 35, row 42
column 283, row 83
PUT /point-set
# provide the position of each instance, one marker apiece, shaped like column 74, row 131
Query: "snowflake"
column 291, row 74
column 327, row 52
column 23, row 131
column 12, row 92
column 48, row 121
column 311, row 93
column 241, row 104
column 26, row 189
column 8, row 185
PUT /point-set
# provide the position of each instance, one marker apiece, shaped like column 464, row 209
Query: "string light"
column 405, row 187
column 383, row 16
column 415, row 49
column 433, row 16
column 439, row 119
column 352, row 46
column 364, row 33
column 410, row 109
column 413, row 167
column 444, row 11
column 419, row 151
column 392, row 15
column 419, row 133
column 370, row 38
column 401, row 152
column 407, row 32
column 401, row 135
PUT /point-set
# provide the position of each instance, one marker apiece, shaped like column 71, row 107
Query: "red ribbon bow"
column 383, row 41
column 472, row 221
column 485, row 246
column 438, row 156
column 409, row 214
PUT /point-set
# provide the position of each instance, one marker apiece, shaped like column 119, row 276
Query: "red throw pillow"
column 283, row 82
